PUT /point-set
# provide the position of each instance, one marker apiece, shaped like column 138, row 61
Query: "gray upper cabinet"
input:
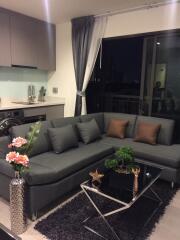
column 26, row 41
column 5, row 56
column 23, row 40
column 46, row 46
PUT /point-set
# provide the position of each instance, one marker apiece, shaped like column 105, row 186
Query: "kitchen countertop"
column 50, row 101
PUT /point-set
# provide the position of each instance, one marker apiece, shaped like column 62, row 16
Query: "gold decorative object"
column 96, row 178
column 136, row 172
column 17, row 205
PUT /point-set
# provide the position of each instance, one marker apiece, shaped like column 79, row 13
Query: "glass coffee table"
column 6, row 234
column 124, row 190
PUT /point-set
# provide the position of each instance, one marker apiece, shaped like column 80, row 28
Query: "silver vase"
column 17, row 205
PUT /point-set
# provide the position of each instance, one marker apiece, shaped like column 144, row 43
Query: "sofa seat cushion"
column 161, row 154
column 50, row 167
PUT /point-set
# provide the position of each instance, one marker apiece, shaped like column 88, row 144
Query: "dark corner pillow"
column 63, row 138
column 89, row 131
column 147, row 133
column 117, row 128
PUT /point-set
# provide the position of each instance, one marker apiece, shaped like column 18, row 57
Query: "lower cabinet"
column 51, row 112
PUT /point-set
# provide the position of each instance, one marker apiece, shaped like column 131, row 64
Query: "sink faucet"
column 31, row 93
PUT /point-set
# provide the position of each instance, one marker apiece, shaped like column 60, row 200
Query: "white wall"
column 149, row 20
column 155, row 19
column 64, row 77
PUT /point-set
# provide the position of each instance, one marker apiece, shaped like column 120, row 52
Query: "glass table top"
column 124, row 187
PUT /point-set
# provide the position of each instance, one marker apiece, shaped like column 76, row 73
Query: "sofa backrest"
column 42, row 144
column 99, row 117
column 61, row 122
column 166, row 131
column 4, row 142
column 130, row 117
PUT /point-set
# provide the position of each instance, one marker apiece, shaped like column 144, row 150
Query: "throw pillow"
column 63, row 138
column 89, row 131
column 117, row 128
column 147, row 133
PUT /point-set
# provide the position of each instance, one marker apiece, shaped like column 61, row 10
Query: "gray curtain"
column 82, row 29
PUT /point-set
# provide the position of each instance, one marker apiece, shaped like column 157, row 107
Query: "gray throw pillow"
column 63, row 138
column 89, row 131
column 42, row 144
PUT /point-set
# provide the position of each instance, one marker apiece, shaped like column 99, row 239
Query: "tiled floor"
column 167, row 229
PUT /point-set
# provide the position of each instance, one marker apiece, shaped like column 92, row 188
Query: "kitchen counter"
column 9, row 105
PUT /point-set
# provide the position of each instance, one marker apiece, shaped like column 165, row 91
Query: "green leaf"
column 31, row 137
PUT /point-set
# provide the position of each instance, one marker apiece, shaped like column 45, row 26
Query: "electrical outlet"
column 55, row 90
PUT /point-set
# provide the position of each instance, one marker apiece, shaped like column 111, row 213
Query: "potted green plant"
column 123, row 161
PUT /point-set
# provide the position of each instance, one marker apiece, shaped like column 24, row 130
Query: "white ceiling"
column 58, row 11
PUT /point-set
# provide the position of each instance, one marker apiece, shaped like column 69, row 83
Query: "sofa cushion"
column 42, row 144
column 99, row 117
column 128, row 117
column 89, row 131
column 61, row 122
column 147, row 133
column 4, row 142
column 63, row 138
column 161, row 154
column 117, row 128
column 166, row 131
column 50, row 167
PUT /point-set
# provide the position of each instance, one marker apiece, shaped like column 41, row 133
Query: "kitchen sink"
column 24, row 102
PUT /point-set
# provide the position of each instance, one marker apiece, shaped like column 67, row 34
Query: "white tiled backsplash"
column 14, row 82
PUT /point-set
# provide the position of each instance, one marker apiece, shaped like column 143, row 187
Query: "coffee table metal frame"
column 124, row 206
column 9, row 233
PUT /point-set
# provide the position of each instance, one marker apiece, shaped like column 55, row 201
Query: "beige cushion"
column 117, row 128
column 147, row 132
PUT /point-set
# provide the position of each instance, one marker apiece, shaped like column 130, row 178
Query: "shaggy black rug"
column 66, row 222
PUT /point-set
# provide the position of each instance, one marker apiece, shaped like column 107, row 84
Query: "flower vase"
column 17, row 205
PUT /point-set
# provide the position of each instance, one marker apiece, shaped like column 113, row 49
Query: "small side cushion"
column 117, row 128
column 147, row 133
column 123, row 116
column 89, row 131
column 165, row 135
column 63, row 138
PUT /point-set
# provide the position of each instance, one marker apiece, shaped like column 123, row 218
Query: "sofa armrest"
column 6, row 168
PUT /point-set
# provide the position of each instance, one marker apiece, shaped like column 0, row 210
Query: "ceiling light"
column 158, row 43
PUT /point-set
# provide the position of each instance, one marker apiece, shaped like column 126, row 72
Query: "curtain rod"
column 141, row 7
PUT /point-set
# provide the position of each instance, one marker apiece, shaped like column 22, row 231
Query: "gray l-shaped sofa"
column 52, row 175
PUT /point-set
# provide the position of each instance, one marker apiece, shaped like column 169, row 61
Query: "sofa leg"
column 172, row 185
column 34, row 216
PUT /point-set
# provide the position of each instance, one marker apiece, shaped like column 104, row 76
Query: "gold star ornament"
column 96, row 176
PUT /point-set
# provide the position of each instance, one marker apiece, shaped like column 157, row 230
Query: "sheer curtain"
column 96, row 40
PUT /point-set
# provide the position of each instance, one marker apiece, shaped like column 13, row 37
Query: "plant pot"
column 17, row 205
column 123, row 170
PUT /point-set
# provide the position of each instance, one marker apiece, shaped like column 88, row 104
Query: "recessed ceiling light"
column 158, row 43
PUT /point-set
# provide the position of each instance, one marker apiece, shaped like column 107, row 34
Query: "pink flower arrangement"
column 18, row 142
column 17, row 160
column 21, row 148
